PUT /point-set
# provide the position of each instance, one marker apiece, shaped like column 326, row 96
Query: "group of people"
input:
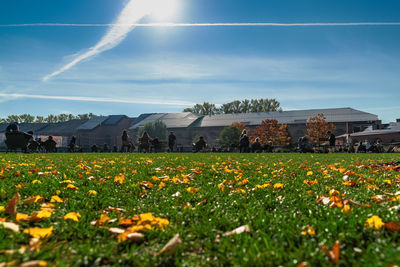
column 25, row 141
column 146, row 143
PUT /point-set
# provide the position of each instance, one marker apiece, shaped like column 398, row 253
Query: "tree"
column 13, row 118
column 39, row 119
column 237, row 106
column 203, row 109
column 156, row 129
column 318, row 127
column 230, row 135
column 51, row 119
column 26, row 118
column 272, row 131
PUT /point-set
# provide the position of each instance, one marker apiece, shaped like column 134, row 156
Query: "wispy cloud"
column 97, row 99
column 126, row 22
column 228, row 24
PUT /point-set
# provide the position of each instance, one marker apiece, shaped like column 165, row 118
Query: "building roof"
column 92, row 123
column 61, row 128
column 171, row 120
column 113, row 120
column 286, row 117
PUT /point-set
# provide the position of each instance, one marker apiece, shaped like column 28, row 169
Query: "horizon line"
column 227, row 24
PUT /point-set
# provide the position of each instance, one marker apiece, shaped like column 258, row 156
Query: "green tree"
column 156, row 129
column 229, row 136
column 26, row 118
column 13, row 118
column 40, row 119
column 237, row 106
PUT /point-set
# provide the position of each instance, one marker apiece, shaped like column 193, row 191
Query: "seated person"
column 144, row 142
column 200, row 145
column 256, row 146
column 106, row 149
column 94, row 148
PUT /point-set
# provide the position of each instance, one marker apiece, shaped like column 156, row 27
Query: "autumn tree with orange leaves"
column 318, row 127
column 272, row 131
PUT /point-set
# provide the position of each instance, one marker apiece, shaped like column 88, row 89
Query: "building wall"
column 104, row 134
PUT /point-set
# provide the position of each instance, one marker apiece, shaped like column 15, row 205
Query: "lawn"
column 122, row 209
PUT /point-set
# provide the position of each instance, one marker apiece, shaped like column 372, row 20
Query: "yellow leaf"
column 71, row 187
column 278, row 186
column 103, row 219
column 92, row 192
column 192, row 190
column 119, row 178
column 161, row 185
column 75, row 216
column 66, row 182
column 374, row 222
column 346, row 209
column 2, row 208
column 309, row 173
column 56, row 199
column 39, row 232
column 36, row 182
column 22, row 217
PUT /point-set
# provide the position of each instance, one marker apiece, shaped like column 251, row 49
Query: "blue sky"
column 158, row 69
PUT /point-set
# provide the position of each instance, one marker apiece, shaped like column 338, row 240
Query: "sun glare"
column 163, row 10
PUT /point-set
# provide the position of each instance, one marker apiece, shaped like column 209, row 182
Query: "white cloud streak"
column 252, row 24
column 97, row 99
column 126, row 22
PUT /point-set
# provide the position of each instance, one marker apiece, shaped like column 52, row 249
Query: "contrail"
column 250, row 24
column 100, row 99
column 126, row 21
column 137, row 9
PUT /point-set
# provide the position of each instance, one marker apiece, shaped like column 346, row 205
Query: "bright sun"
column 163, row 10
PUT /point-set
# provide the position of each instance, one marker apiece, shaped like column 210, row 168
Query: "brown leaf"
column 392, row 226
column 11, row 208
column 10, row 226
column 334, row 254
column 171, row 246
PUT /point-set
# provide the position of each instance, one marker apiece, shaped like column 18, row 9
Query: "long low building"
column 187, row 126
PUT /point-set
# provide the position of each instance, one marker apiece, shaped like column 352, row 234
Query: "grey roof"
column 61, row 128
column 172, row 120
column 113, row 120
column 287, row 117
column 374, row 132
column 92, row 123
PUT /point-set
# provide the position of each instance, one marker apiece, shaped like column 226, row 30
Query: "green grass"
column 276, row 216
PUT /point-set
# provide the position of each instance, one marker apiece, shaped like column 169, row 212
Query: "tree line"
column 237, row 106
column 27, row 118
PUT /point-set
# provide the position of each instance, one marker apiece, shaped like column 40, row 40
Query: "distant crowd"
column 25, row 141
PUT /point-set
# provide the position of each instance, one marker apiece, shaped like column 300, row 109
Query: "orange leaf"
column 11, row 208
column 393, row 226
column 334, row 254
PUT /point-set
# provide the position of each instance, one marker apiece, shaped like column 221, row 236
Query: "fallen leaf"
column 171, row 246
column 75, row 216
column 11, row 207
column 39, row 232
column 333, row 254
column 116, row 230
column 37, row 263
column 32, row 199
column 393, row 226
column 56, row 199
column 10, row 226
column 237, row 231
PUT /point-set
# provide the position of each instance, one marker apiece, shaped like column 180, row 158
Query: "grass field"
column 301, row 209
